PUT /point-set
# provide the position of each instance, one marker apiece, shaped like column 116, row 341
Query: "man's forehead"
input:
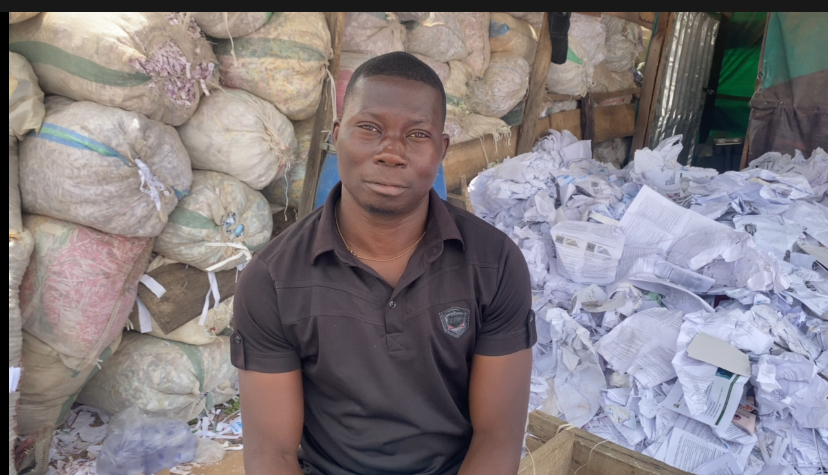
column 366, row 90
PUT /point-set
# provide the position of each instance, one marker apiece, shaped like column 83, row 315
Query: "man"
column 387, row 332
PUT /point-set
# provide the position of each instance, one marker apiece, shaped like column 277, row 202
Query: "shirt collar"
column 440, row 227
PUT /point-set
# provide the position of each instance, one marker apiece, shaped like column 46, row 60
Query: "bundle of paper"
column 682, row 313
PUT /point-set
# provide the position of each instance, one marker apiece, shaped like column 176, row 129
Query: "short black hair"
column 397, row 64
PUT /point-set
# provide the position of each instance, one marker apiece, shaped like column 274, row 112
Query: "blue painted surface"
column 329, row 177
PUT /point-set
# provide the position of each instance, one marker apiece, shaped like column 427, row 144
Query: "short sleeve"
column 259, row 343
column 508, row 320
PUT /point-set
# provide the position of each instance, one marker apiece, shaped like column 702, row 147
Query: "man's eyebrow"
column 415, row 121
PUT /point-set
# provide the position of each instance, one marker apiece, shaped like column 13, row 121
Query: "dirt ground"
column 233, row 464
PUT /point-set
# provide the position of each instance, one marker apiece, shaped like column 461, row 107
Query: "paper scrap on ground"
column 722, row 400
column 644, row 345
column 588, row 252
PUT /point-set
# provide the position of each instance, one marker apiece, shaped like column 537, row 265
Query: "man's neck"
column 377, row 235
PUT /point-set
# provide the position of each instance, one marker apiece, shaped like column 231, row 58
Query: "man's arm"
column 273, row 415
column 498, row 402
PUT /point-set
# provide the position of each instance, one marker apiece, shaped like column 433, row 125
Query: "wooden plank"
column 599, row 97
column 472, row 157
column 323, row 118
column 606, row 458
column 537, row 86
column 588, row 117
column 613, row 122
column 649, row 92
column 560, row 121
column 549, row 96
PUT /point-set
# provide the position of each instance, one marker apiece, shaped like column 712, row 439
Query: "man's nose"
column 392, row 154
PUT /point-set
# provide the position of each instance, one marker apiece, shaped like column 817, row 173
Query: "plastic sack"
column 138, row 444
column 462, row 126
column 411, row 16
column 624, row 40
column 606, row 80
column 475, row 26
column 78, row 291
column 117, row 171
column 613, row 151
column 230, row 24
column 439, row 37
column 49, row 388
column 510, row 35
column 17, row 17
column 372, row 33
column 570, row 78
column 458, row 82
column 502, row 87
column 590, row 32
column 21, row 244
column 218, row 225
column 138, row 61
column 13, row 398
column 236, row 133
column 163, row 378
column 286, row 189
column 283, row 62
column 442, row 69
column 193, row 332
column 26, row 109
column 533, row 18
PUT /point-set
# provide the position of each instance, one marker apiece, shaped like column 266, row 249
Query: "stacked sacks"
column 139, row 375
column 348, row 63
column 236, row 133
column 570, row 78
column 286, row 190
column 218, row 225
column 75, row 298
column 475, row 26
column 503, row 86
column 230, row 24
column 283, row 62
column 372, row 33
column 119, row 172
column 138, row 61
column 510, row 35
column 26, row 112
column 440, row 37
column 624, row 40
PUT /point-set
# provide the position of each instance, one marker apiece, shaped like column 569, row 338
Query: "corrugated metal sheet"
column 687, row 62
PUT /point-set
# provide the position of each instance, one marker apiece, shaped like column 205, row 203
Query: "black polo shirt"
column 386, row 370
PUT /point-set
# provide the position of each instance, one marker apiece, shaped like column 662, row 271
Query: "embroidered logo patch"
column 455, row 321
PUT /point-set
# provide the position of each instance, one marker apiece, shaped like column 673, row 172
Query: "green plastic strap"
column 270, row 48
column 571, row 56
column 194, row 355
column 190, row 219
column 44, row 53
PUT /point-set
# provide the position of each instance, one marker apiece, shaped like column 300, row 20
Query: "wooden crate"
column 565, row 450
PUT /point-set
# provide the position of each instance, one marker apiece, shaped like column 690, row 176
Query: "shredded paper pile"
column 682, row 313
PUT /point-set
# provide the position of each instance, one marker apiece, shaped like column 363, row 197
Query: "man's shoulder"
column 292, row 247
column 479, row 236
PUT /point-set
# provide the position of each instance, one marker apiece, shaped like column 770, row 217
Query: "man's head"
column 390, row 139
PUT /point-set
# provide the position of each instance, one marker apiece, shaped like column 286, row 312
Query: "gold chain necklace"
column 336, row 220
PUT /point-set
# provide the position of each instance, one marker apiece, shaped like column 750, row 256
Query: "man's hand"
column 498, row 401
column 273, row 414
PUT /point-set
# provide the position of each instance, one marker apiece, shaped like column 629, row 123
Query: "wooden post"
column 588, row 117
column 652, row 72
column 537, row 86
column 323, row 118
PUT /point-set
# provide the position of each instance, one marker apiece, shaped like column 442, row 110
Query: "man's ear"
column 446, row 143
column 335, row 133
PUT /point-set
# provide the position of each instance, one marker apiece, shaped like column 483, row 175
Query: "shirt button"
column 238, row 339
column 392, row 304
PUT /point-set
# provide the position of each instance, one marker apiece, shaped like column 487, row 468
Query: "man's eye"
column 419, row 135
column 369, row 128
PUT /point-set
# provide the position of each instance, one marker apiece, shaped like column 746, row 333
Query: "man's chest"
column 344, row 313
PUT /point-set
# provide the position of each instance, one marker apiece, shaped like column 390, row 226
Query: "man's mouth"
column 389, row 189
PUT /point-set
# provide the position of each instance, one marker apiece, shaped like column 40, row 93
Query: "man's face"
column 390, row 143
